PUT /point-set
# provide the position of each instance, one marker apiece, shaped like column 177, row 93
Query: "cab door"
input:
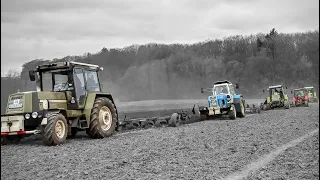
column 79, row 87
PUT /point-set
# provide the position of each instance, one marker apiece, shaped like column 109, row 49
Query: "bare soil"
column 204, row 150
column 299, row 162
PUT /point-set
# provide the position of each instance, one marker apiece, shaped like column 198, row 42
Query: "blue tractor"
column 223, row 101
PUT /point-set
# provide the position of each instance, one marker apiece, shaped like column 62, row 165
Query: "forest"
column 178, row 71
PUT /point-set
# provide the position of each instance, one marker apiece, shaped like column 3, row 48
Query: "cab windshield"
column 299, row 93
column 221, row 89
column 310, row 90
column 55, row 80
column 276, row 91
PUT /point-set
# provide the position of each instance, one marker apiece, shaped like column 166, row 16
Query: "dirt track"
column 204, row 150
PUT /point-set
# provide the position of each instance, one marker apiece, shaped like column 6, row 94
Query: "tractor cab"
column 312, row 95
column 300, row 92
column 222, row 88
column 276, row 92
column 300, row 96
column 277, row 97
column 74, row 79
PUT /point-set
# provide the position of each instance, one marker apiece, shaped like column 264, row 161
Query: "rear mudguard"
column 90, row 101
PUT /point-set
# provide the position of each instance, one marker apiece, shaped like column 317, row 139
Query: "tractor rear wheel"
column 286, row 105
column 242, row 112
column 55, row 132
column 103, row 118
column 232, row 113
column 268, row 107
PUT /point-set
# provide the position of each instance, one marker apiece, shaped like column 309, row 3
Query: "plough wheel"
column 144, row 124
column 175, row 120
column 161, row 122
column 150, row 122
column 135, row 124
column 203, row 117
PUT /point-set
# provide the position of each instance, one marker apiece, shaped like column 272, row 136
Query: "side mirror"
column 32, row 75
column 201, row 90
column 291, row 92
column 237, row 86
column 263, row 90
column 101, row 69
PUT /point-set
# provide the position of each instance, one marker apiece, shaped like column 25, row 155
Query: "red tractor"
column 300, row 97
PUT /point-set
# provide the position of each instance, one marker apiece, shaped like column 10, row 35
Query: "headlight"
column 34, row 115
column 27, row 116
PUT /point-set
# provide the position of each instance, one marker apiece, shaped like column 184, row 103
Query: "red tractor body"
column 300, row 97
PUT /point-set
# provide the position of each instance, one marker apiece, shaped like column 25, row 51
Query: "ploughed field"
column 211, row 149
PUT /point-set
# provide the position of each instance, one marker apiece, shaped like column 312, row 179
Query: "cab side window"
column 92, row 82
column 231, row 89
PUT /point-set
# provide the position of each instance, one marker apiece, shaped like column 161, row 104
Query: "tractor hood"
column 27, row 102
column 218, row 100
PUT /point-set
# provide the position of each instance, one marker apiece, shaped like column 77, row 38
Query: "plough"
column 175, row 120
column 254, row 108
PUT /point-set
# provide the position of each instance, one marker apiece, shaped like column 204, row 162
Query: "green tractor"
column 69, row 98
column 277, row 98
column 312, row 95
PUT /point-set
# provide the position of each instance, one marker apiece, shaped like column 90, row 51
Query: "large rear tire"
column 103, row 119
column 286, row 105
column 242, row 112
column 232, row 113
column 55, row 132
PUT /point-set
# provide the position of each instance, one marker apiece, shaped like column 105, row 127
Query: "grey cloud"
column 46, row 28
column 58, row 5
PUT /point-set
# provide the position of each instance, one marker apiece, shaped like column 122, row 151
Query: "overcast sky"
column 50, row 29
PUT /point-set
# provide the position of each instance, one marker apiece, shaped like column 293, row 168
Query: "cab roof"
column 65, row 65
column 222, row 82
column 297, row 89
column 276, row 86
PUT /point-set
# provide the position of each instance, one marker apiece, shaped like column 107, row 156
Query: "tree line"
column 159, row 71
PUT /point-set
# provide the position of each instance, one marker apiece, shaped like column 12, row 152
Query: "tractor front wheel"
column 103, row 119
column 55, row 132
